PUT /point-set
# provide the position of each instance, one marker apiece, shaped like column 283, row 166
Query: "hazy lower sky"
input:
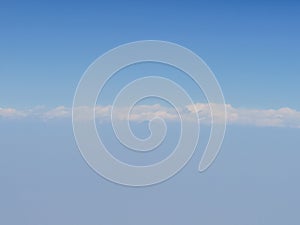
column 251, row 46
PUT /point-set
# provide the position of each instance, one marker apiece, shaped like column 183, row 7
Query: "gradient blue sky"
column 252, row 47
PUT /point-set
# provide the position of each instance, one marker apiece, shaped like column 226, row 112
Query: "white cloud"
column 11, row 113
column 146, row 112
column 283, row 117
column 58, row 112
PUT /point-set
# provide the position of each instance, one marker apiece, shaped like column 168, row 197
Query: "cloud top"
column 282, row 117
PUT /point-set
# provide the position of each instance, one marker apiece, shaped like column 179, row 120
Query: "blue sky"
column 251, row 46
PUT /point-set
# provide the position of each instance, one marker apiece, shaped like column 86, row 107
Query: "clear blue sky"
column 253, row 47
column 254, row 50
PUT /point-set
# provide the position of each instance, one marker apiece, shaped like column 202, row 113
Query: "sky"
column 251, row 46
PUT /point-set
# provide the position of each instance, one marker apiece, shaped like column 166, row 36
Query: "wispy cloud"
column 282, row 117
column 12, row 113
column 58, row 112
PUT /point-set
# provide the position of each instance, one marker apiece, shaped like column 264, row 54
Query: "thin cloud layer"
column 11, row 113
column 283, row 117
